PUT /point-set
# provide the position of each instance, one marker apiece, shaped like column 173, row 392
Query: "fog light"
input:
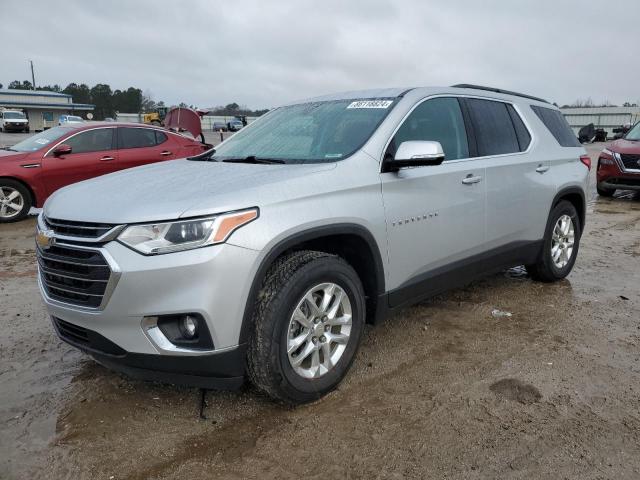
column 189, row 326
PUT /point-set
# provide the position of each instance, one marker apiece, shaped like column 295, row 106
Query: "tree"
column 50, row 88
column 102, row 98
column 79, row 93
column 148, row 104
column 18, row 85
column 129, row 100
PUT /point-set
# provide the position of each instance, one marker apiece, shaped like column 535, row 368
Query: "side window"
column 160, row 137
column 438, row 119
column 557, row 125
column 136, row 137
column 91, row 141
column 495, row 132
column 524, row 137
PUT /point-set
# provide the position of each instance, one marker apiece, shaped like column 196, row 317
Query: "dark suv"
column 619, row 164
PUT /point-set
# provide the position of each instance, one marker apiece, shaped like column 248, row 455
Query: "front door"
column 92, row 154
column 435, row 215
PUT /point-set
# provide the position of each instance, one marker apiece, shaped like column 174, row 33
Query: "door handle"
column 107, row 159
column 165, row 153
column 542, row 168
column 471, row 179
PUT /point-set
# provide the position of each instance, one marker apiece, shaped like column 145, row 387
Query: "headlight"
column 157, row 238
column 606, row 151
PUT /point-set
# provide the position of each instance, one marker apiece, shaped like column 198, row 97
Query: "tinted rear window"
column 495, row 133
column 557, row 125
column 160, row 137
column 524, row 137
column 136, row 137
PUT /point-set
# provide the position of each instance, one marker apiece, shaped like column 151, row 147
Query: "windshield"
column 14, row 115
column 310, row 132
column 73, row 119
column 634, row 133
column 40, row 140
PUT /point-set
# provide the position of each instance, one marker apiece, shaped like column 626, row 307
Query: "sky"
column 264, row 53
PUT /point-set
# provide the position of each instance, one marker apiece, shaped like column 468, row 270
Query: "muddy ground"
column 442, row 390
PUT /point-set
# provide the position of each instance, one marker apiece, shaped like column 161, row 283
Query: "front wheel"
column 15, row 201
column 561, row 242
column 309, row 318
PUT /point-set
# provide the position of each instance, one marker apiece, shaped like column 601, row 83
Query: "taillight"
column 586, row 159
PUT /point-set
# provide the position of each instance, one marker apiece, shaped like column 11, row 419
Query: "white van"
column 13, row 120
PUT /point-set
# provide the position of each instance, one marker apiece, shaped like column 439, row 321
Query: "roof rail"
column 498, row 90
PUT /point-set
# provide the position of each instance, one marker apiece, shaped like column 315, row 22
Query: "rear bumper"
column 223, row 370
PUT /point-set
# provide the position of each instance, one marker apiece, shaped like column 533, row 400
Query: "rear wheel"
column 561, row 242
column 15, row 201
column 605, row 192
column 309, row 319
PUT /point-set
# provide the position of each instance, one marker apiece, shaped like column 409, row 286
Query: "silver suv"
column 265, row 257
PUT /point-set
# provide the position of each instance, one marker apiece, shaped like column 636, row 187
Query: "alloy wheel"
column 562, row 241
column 319, row 330
column 11, row 202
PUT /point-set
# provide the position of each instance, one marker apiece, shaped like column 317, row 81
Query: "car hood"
column 179, row 188
column 625, row 146
column 8, row 155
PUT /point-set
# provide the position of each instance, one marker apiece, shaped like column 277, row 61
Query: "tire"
column 605, row 192
column 270, row 367
column 547, row 269
column 8, row 190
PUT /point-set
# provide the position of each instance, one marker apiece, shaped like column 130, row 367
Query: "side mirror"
column 61, row 150
column 416, row 153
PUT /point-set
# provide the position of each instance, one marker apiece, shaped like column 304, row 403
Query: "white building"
column 601, row 117
column 41, row 107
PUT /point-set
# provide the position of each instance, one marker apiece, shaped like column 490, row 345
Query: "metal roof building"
column 602, row 117
column 41, row 107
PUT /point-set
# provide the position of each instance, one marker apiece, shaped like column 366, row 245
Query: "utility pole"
column 33, row 77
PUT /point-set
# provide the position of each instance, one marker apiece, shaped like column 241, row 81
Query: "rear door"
column 92, row 154
column 139, row 146
column 518, row 184
column 435, row 215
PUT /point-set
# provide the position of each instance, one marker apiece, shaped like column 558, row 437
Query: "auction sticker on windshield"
column 370, row 104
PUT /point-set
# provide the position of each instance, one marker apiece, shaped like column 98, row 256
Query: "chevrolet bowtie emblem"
column 45, row 239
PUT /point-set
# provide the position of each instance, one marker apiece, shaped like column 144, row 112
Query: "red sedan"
column 33, row 169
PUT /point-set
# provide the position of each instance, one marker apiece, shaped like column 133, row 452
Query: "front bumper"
column 223, row 370
column 16, row 127
column 620, row 184
column 613, row 176
column 212, row 281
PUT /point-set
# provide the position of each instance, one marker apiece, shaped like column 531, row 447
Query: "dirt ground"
column 442, row 390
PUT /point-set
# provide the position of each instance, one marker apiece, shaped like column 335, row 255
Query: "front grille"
column 78, row 229
column 630, row 161
column 72, row 275
column 72, row 332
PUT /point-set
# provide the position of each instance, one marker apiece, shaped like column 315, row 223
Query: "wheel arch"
column 576, row 196
column 352, row 242
column 34, row 198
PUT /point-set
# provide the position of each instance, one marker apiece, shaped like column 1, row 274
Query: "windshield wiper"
column 204, row 157
column 253, row 159
column 8, row 149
